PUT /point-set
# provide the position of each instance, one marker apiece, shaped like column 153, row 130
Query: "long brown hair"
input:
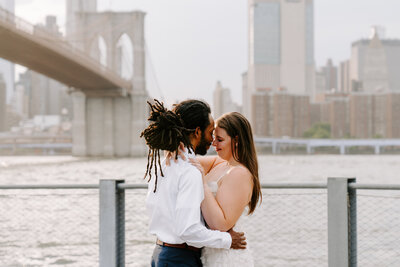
column 243, row 149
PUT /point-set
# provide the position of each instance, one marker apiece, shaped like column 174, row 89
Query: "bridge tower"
column 104, row 124
column 3, row 102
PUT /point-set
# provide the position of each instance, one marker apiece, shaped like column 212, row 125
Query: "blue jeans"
column 175, row 257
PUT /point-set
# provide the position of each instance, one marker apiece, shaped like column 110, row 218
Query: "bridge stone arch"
column 112, row 26
column 125, row 51
column 110, row 125
column 94, row 49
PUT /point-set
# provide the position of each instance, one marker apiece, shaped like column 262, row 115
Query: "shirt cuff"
column 227, row 241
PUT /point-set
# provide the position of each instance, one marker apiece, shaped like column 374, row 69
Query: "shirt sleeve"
column 188, row 215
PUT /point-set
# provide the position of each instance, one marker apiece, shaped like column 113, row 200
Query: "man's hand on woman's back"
column 238, row 240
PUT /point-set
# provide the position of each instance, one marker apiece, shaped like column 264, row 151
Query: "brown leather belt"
column 184, row 246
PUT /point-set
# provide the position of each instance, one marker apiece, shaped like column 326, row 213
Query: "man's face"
column 206, row 138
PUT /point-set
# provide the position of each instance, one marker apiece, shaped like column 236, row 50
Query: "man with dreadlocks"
column 174, row 199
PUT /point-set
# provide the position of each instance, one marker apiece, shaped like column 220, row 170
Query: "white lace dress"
column 219, row 257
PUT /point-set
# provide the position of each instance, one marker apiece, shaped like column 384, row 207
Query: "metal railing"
column 311, row 144
column 338, row 223
column 17, row 143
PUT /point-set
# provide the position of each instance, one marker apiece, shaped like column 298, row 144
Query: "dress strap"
column 228, row 171
column 225, row 173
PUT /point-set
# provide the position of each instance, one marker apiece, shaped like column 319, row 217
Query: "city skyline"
column 223, row 57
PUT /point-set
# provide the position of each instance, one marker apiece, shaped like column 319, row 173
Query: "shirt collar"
column 187, row 154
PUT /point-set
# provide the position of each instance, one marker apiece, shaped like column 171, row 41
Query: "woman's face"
column 222, row 142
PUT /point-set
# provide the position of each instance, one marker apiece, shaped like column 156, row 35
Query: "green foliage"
column 377, row 136
column 318, row 130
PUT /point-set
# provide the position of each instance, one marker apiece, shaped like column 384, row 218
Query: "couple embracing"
column 188, row 190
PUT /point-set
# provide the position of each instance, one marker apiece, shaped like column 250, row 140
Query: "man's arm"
column 207, row 162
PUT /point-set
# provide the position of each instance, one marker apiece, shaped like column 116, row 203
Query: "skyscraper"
column 6, row 67
column 223, row 101
column 47, row 96
column 281, row 47
column 375, row 64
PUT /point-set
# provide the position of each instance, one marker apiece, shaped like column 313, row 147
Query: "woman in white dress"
column 231, row 186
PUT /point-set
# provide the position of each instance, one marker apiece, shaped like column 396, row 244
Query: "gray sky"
column 193, row 44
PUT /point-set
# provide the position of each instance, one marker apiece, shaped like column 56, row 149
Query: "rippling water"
column 60, row 227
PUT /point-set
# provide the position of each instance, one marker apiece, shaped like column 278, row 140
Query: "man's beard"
column 202, row 147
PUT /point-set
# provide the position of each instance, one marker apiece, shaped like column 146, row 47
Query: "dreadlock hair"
column 194, row 113
column 165, row 132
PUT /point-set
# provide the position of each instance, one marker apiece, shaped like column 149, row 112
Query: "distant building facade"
column 375, row 115
column 280, row 114
column 274, row 62
column 393, row 116
column 344, row 80
column 326, row 80
column 357, row 115
column 46, row 96
column 339, row 117
column 261, row 105
column 375, row 65
column 222, row 101
column 330, row 73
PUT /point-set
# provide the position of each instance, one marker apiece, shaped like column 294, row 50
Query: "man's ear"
column 197, row 132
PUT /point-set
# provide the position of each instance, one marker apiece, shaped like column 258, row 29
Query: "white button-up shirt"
column 174, row 209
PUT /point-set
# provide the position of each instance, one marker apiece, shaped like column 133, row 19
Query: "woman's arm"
column 233, row 195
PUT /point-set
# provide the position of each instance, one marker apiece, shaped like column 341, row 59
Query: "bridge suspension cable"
column 153, row 72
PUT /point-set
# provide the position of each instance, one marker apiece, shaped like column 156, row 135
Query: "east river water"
column 60, row 227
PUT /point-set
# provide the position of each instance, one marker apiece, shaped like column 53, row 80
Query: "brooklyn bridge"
column 109, row 109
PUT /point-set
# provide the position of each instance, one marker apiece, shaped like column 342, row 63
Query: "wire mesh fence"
column 49, row 227
column 288, row 229
column 139, row 244
column 378, row 224
column 61, row 227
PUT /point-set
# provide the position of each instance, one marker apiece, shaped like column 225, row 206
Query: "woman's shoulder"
column 239, row 172
column 240, row 168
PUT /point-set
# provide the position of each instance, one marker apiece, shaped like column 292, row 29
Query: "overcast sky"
column 193, row 44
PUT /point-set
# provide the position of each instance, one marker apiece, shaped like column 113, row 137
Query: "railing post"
column 342, row 150
column 353, row 225
column 309, row 149
column 14, row 149
column 342, row 227
column 112, row 224
column 273, row 148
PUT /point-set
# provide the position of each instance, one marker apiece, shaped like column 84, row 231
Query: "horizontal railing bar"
column 294, row 185
column 132, row 186
column 263, row 186
column 375, row 186
column 51, row 186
